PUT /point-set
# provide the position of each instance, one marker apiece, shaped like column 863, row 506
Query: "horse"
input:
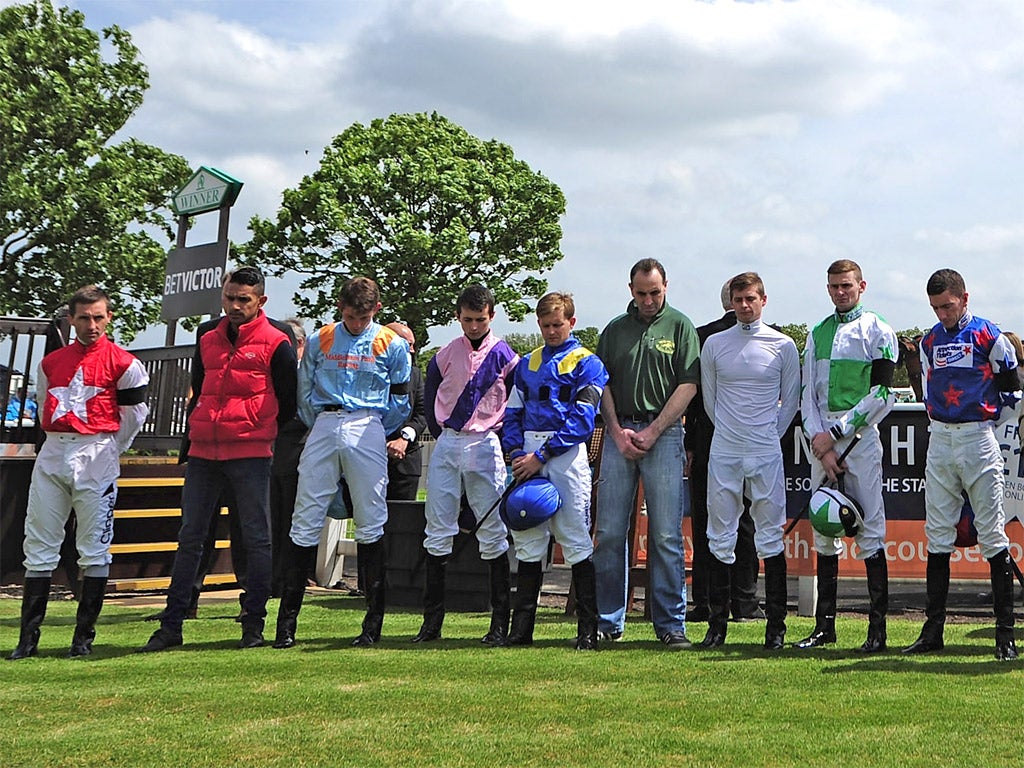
column 910, row 357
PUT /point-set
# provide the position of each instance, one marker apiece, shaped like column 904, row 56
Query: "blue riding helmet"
column 530, row 503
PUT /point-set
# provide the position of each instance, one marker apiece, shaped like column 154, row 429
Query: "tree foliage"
column 424, row 208
column 74, row 208
column 798, row 333
column 588, row 337
column 523, row 343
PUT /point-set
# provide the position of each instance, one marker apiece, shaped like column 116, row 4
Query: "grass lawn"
column 457, row 703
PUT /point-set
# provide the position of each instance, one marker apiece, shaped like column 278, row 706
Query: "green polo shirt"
column 646, row 362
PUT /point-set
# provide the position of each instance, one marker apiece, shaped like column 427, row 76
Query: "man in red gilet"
column 244, row 372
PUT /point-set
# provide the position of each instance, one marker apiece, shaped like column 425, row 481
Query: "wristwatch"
column 408, row 433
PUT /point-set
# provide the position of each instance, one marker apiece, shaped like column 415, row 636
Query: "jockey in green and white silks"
column 848, row 368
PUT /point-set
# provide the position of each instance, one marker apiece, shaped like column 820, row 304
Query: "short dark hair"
column 746, row 280
column 648, row 265
column 842, row 266
column 248, row 276
column 476, row 298
column 360, row 294
column 87, row 294
column 946, row 280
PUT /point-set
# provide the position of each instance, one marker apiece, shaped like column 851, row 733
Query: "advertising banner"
column 904, row 436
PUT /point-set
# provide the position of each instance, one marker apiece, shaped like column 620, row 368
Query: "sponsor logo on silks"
column 665, row 345
column 954, row 356
column 107, row 510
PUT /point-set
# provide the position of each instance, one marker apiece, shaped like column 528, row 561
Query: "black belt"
column 333, row 408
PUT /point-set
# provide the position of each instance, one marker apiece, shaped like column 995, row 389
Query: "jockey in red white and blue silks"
column 970, row 385
column 92, row 401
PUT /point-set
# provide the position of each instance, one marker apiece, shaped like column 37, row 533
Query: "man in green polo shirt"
column 651, row 353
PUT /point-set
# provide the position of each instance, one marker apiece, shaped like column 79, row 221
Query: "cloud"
column 718, row 137
column 220, row 84
column 663, row 72
column 981, row 239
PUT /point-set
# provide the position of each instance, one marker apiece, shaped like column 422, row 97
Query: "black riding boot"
column 1002, row 600
column 33, row 609
column 501, row 586
column 937, row 587
column 371, row 562
column 825, row 610
column 297, row 561
column 878, row 593
column 525, row 613
column 584, row 579
column 719, row 592
column 433, row 600
column 775, row 602
column 94, row 588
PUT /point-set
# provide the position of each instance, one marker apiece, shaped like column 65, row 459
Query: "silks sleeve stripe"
column 1006, row 380
column 589, row 395
column 568, row 363
column 131, row 396
column 882, row 372
column 326, row 337
column 383, row 340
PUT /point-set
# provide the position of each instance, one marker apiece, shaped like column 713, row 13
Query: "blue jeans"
column 205, row 481
column 662, row 473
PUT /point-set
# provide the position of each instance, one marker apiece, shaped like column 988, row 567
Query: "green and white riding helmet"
column 834, row 513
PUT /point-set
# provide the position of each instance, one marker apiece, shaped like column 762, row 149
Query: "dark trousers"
column 205, row 483
column 284, row 484
column 743, row 596
column 283, row 488
column 402, row 487
column 209, row 555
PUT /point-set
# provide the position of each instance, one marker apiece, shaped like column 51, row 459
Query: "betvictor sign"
column 192, row 284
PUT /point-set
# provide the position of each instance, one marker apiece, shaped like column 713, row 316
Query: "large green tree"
column 75, row 208
column 424, row 208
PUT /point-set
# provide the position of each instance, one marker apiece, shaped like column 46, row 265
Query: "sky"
column 717, row 137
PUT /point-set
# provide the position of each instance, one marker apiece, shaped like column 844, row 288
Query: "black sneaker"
column 609, row 636
column 676, row 641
